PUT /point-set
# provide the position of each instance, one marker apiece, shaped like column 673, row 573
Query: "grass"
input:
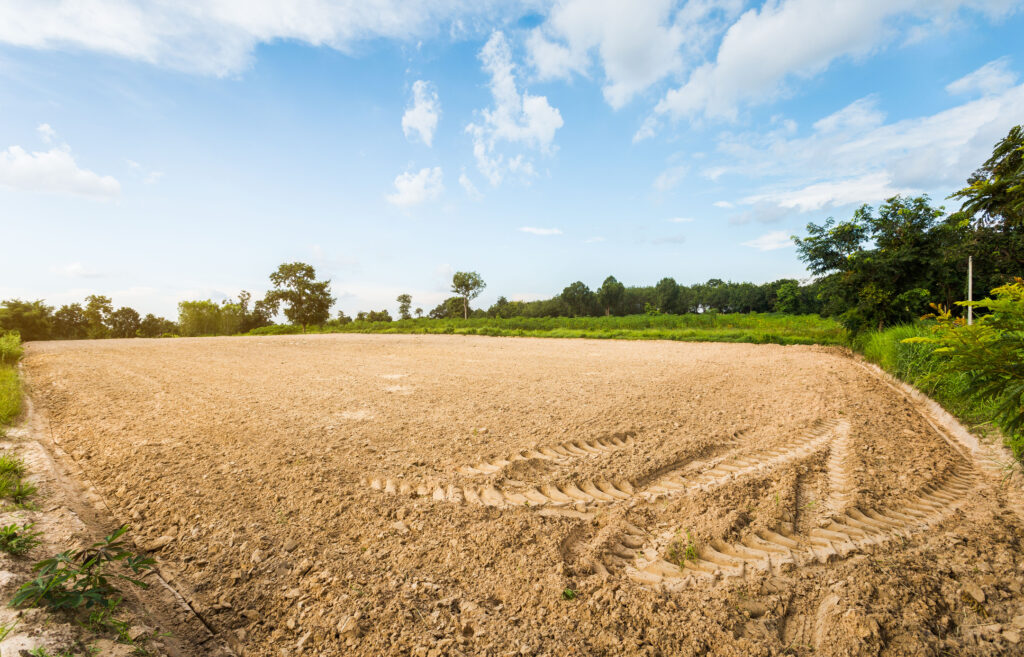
column 915, row 364
column 757, row 328
column 10, row 394
column 10, row 347
column 18, row 540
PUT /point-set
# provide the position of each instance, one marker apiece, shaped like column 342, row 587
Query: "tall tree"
column 578, row 298
column 70, row 322
column 468, row 285
column 306, row 300
column 31, row 319
column 610, row 295
column 124, row 322
column 97, row 312
column 881, row 268
column 404, row 304
column 666, row 295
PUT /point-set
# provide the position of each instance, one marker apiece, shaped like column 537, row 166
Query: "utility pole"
column 970, row 289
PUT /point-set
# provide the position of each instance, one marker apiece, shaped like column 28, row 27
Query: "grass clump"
column 18, row 540
column 10, row 347
column 10, row 394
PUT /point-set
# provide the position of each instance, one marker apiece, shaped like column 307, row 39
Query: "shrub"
column 18, row 540
column 10, row 347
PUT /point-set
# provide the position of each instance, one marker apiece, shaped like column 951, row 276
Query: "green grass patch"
column 10, row 394
column 916, row 364
column 758, row 328
column 10, row 347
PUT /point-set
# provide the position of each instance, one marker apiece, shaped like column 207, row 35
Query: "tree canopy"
column 306, row 300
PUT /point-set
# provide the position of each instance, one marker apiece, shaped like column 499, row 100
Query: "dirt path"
column 434, row 495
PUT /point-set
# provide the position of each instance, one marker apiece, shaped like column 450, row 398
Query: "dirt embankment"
column 434, row 495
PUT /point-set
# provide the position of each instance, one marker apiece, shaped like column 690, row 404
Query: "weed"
column 21, row 491
column 810, row 505
column 7, row 629
column 18, row 540
column 10, row 347
column 569, row 594
column 10, row 393
column 11, row 464
column 680, row 554
column 77, row 579
column 43, row 652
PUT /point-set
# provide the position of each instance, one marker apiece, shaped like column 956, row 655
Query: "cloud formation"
column 541, row 231
column 415, row 188
column 778, row 239
column 515, row 118
column 422, row 116
column 53, row 171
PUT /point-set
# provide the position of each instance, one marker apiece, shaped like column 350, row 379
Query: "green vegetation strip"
column 758, row 328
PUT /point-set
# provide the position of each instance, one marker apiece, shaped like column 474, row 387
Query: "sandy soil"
column 445, row 495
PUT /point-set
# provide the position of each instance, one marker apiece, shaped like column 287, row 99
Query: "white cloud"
column 46, row 133
column 637, row 43
column 854, row 156
column 53, row 171
column 594, row 240
column 414, row 188
column 992, row 78
column 785, row 40
column 219, row 37
column 670, row 177
column 723, row 204
column 515, row 118
column 865, row 189
column 778, row 239
column 421, row 117
column 467, row 184
column 681, row 220
column 541, row 231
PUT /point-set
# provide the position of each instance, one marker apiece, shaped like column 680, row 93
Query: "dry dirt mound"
column 518, row 496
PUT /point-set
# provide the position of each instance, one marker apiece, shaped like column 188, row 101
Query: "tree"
column 258, row 317
column 666, row 295
column 200, row 318
column 450, row 308
column 419, row 312
column 307, row 300
column 467, row 285
column 578, row 298
column 31, row 319
column 610, row 295
column 154, row 327
column 787, row 298
column 404, row 303
column 880, row 268
column 97, row 311
column 70, row 322
column 124, row 322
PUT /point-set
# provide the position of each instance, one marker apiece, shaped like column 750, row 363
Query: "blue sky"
column 157, row 152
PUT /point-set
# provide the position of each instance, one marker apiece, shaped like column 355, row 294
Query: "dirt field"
column 444, row 495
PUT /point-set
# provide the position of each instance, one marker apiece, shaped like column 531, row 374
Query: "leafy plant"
column 10, row 347
column 990, row 352
column 569, row 594
column 77, row 579
column 18, row 540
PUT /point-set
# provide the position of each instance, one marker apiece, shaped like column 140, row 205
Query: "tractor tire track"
column 559, row 453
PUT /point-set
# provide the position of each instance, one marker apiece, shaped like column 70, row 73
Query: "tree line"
column 875, row 269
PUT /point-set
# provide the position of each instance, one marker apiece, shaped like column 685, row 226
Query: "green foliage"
column 97, row 311
column 450, row 308
column 31, row 319
column 373, row 316
column 578, row 299
column 70, row 323
column 404, row 304
column 990, row 352
column 880, row 268
column 18, row 540
column 569, row 594
column 10, row 394
column 82, row 579
column 306, row 300
column 208, row 318
column 154, row 327
column 666, row 295
column 757, row 328
column 124, row 323
column 611, row 296
column 468, row 285
column 10, row 347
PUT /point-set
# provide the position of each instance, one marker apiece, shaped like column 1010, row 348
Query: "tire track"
column 846, row 533
column 559, row 453
column 598, row 492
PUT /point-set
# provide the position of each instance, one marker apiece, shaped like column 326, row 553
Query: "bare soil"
column 447, row 495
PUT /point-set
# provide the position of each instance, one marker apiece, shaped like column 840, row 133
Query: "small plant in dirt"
column 569, row 594
column 680, row 552
column 43, row 652
column 18, row 540
column 77, row 580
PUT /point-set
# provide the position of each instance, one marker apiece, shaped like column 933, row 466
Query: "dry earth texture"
column 446, row 495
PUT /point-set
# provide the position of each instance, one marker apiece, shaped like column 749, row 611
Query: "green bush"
column 10, row 394
column 276, row 329
column 10, row 347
